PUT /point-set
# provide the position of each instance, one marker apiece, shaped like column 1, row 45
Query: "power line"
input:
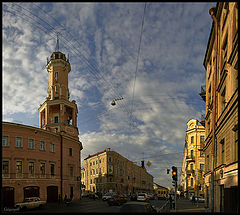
column 93, row 68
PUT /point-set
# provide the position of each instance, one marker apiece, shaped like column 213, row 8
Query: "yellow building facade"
column 221, row 116
column 191, row 178
column 109, row 171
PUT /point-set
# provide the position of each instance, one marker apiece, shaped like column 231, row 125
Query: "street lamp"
column 114, row 101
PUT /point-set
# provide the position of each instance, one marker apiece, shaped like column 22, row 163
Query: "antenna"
column 57, row 45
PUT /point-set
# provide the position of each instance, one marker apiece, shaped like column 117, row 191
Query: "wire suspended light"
column 113, row 103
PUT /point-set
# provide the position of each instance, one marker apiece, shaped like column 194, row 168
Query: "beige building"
column 221, row 116
column 191, row 178
column 46, row 161
column 109, row 171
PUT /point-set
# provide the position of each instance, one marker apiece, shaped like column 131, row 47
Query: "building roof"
column 159, row 186
column 98, row 153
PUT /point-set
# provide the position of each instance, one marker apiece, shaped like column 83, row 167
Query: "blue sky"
column 102, row 41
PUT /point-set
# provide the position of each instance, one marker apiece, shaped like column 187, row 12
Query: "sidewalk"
column 184, row 205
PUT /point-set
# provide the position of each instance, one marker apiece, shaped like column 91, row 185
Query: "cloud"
column 102, row 40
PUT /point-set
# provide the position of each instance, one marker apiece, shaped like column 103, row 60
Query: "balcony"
column 190, row 158
column 203, row 92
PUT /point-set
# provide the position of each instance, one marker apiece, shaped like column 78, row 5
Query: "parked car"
column 142, row 197
column 133, row 197
column 30, row 203
column 85, row 194
column 93, row 196
column 137, row 207
column 151, row 196
column 116, row 200
column 199, row 198
column 106, row 196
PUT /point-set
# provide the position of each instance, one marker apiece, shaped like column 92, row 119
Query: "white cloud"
column 107, row 35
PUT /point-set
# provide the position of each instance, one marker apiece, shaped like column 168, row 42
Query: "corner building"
column 109, row 171
column 193, row 160
column 221, row 116
column 46, row 161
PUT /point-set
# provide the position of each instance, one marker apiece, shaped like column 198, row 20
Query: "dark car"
column 133, row 197
column 116, row 200
column 137, row 207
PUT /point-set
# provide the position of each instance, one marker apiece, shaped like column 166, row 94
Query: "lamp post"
column 113, row 103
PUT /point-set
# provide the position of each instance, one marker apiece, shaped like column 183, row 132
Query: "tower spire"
column 57, row 45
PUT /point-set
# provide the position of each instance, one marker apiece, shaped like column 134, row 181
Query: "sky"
column 159, row 82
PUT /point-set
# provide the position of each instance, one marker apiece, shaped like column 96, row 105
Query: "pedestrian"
column 59, row 199
column 170, row 200
column 193, row 200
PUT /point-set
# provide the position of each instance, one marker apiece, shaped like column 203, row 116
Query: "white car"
column 29, row 203
column 142, row 197
column 199, row 198
column 107, row 196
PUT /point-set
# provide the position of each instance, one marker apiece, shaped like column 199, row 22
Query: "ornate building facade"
column 46, row 161
column 109, row 171
column 221, row 116
column 191, row 179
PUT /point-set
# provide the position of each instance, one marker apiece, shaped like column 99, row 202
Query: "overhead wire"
column 96, row 65
column 97, row 76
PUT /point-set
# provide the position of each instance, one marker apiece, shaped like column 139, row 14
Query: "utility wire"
column 86, row 61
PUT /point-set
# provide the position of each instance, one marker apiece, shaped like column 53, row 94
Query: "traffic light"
column 174, row 173
column 173, row 183
column 168, row 171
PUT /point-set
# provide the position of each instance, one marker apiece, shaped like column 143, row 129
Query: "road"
column 85, row 205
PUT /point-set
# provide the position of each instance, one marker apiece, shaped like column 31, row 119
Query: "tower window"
column 56, row 76
column 70, row 152
column 56, row 119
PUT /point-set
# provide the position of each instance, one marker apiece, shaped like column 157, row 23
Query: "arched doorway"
column 52, row 194
column 31, row 191
column 8, row 197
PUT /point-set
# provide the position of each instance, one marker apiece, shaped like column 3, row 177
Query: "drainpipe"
column 212, row 12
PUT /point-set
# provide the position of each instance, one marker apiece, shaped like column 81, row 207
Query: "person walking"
column 170, row 200
column 193, row 200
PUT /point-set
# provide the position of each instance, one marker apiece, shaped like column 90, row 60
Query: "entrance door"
column 71, row 191
column 31, row 191
column 230, row 200
column 52, row 194
column 8, row 197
